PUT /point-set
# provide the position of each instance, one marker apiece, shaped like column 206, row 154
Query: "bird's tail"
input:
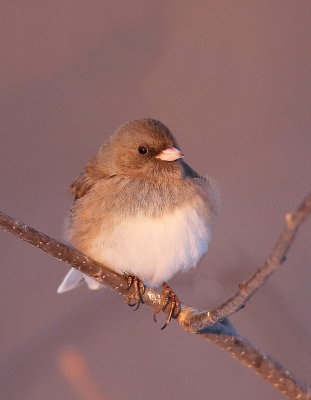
column 75, row 278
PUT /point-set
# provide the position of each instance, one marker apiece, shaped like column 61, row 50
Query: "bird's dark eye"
column 143, row 149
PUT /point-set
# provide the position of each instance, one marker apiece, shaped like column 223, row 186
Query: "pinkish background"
column 232, row 79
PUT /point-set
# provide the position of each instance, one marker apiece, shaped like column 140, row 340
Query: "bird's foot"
column 136, row 297
column 169, row 301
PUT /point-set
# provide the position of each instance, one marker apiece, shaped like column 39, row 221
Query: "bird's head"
column 142, row 148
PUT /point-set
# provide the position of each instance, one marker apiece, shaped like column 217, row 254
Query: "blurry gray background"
column 232, row 80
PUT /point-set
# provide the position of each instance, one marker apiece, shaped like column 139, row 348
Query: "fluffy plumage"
column 139, row 208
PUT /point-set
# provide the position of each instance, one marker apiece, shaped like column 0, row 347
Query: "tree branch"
column 248, row 288
column 211, row 325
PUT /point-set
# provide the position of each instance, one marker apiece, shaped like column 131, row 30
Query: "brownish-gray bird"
column 140, row 209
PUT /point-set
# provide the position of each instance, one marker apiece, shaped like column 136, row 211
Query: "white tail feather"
column 91, row 284
column 74, row 278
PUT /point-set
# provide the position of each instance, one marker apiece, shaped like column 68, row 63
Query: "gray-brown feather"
column 119, row 182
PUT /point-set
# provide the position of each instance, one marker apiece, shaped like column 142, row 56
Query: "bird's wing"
column 91, row 174
column 82, row 184
column 189, row 172
column 209, row 187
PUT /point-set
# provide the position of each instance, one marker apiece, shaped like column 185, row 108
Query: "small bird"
column 141, row 210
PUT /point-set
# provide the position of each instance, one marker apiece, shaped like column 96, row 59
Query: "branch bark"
column 212, row 325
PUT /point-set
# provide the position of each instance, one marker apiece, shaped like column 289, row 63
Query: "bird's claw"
column 136, row 297
column 169, row 301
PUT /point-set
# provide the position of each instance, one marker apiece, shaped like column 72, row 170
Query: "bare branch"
column 262, row 364
column 248, row 288
column 211, row 325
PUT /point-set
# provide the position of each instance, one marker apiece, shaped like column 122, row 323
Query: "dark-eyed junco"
column 139, row 208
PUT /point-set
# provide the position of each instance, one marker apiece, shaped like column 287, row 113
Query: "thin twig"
column 211, row 325
column 248, row 288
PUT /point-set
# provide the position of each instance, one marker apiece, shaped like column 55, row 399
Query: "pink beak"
column 170, row 154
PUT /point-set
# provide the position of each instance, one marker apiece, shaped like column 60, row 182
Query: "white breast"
column 154, row 249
